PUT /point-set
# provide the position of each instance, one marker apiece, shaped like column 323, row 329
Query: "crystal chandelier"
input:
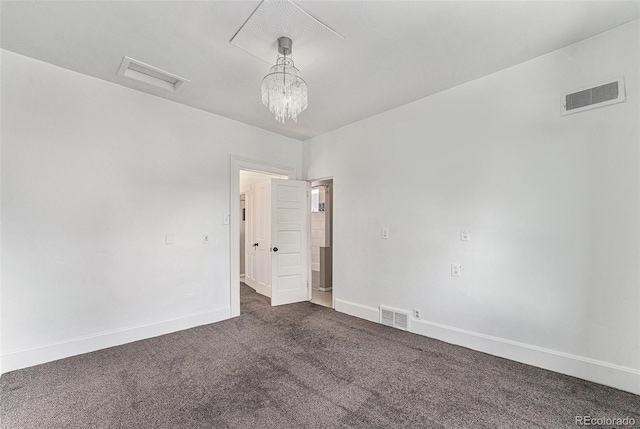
column 284, row 92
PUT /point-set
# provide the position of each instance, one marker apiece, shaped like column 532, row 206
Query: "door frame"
column 237, row 164
column 333, row 256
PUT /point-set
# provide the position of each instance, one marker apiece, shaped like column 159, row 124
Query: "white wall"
column 551, row 276
column 93, row 177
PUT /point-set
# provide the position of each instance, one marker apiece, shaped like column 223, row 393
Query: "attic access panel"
column 272, row 19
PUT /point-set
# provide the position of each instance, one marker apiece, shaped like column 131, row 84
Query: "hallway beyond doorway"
column 322, row 298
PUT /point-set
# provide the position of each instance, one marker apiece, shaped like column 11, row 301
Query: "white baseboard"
column 242, row 278
column 365, row 312
column 325, row 289
column 609, row 374
column 17, row 359
column 620, row 377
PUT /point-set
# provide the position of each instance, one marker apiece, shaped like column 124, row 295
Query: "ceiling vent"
column 606, row 94
column 394, row 318
column 142, row 72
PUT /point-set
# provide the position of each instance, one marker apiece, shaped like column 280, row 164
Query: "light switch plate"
column 225, row 219
column 168, row 239
column 205, row 238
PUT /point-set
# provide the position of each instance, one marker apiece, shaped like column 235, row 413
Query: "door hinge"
column 307, row 194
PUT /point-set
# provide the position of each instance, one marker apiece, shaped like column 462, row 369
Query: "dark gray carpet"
column 297, row 366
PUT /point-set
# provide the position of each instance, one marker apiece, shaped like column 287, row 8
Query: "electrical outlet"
column 168, row 239
column 385, row 233
column 416, row 314
column 205, row 238
column 465, row 235
column 456, row 270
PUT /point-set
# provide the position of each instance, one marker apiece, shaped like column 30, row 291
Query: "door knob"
column 255, row 244
column 275, row 249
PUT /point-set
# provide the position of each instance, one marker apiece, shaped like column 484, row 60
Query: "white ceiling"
column 393, row 52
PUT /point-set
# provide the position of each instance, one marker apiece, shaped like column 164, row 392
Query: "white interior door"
column 249, row 234
column 290, row 264
column 258, row 238
column 262, row 237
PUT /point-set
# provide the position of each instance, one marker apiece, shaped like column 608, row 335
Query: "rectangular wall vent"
column 606, row 94
column 142, row 72
column 394, row 318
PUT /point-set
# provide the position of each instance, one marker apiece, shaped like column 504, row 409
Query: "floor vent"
column 394, row 318
column 142, row 72
column 591, row 98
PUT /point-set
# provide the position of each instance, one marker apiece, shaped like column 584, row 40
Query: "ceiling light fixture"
column 284, row 92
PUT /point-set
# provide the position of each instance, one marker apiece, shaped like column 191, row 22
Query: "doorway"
column 241, row 164
column 322, row 242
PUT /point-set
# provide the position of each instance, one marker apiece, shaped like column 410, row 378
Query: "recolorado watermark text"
column 604, row 421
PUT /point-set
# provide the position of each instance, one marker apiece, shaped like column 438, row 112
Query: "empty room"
column 319, row 214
